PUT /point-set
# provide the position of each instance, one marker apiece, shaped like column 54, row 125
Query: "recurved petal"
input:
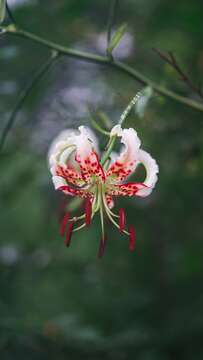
column 61, row 184
column 69, row 174
column 63, row 142
column 128, row 189
column 139, row 189
column 152, row 170
column 127, row 160
column 87, row 157
column 63, row 147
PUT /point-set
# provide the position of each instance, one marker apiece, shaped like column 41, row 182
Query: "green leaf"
column 142, row 102
column 117, row 36
column 2, row 10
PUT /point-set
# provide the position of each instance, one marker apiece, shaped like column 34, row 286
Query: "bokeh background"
column 59, row 303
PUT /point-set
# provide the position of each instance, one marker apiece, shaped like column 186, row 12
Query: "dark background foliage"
column 59, row 303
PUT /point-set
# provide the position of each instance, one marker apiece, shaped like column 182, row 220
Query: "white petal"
column 84, row 142
column 58, row 181
column 91, row 136
column 126, row 162
column 152, row 170
column 131, row 141
column 64, row 139
column 65, row 144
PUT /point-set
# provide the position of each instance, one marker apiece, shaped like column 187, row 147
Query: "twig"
column 170, row 59
column 24, row 94
column 10, row 13
column 111, row 19
column 122, row 67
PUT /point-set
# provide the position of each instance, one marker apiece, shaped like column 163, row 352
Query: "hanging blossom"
column 77, row 170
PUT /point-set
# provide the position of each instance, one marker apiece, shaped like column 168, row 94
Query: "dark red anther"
column 88, row 211
column 121, row 219
column 69, row 234
column 102, row 246
column 64, row 222
column 132, row 238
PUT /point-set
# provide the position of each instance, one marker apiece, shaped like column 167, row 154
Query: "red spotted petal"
column 121, row 170
column 90, row 166
column 77, row 192
column 128, row 189
column 69, row 174
column 127, row 160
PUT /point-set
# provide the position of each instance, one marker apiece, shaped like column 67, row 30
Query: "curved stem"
column 122, row 67
column 109, row 147
column 108, row 212
column 112, row 13
column 24, row 94
column 158, row 88
column 10, row 13
column 83, row 55
column 129, row 108
column 98, row 127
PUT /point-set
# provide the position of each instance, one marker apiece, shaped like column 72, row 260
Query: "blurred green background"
column 59, row 303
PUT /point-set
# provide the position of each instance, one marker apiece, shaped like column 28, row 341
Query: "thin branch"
column 10, row 13
column 122, row 67
column 170, row 59
column 24, row 94
column 111, row 19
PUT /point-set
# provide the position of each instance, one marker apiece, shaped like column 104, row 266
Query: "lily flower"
column 77, row 170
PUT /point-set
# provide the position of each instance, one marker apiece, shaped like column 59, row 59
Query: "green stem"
column 112, row 13
column 110, row 146
column 83, row 55
column 101, row 213
column 142, row 79
column 24, row 94
column 120, row 66
column 129, row 108
column 98, row 127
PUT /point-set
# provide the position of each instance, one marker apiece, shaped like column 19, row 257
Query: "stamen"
column 69, row 234
column 109, row 212
column 88, row 211
column 64, row 223
column 102, row 246
column 122, row 219
column 132, row 238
